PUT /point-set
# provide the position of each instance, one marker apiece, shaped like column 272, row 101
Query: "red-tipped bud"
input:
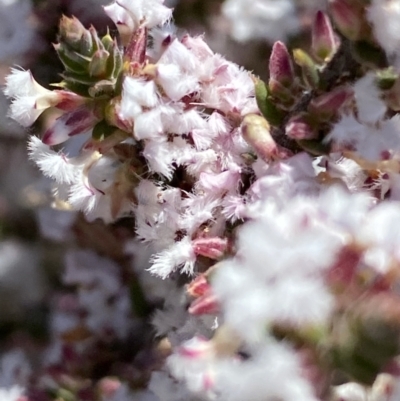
column 326, row 106
column 206, row 304
column 198, row 287
column 67, row 100
column 280, row 68
column 299, row 127
column 201, row 284
column 324, row 40
column 70, row 124
column 212, row 248
column 348, row 17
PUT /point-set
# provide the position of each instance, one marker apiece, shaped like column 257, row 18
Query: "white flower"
column 384, row 16
column 282, row 257
column 137, row 94
column 52, row 164
column 30, row 98
column 176, row 83
column 369, row 136
column 180, row 255
column 130, row 15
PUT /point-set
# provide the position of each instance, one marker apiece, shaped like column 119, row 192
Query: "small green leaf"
column 268, row 109
column 308, row 67
column 102, row 130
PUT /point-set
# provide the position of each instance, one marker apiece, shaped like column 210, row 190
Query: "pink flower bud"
column 70, row 124
column 280, row 68
column 206, row 304
column 197, row 46
column 348, row 17
column 67, row 100
column 212, row 248
column 282, row 78
column 324, row 40
column 324, row 107
column 299, row 128
column 198, row 287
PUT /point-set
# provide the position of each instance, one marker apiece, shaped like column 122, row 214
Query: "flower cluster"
column 165, row 112
column 268, row 209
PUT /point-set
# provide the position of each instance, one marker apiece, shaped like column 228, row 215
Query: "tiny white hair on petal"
column 180, row 255
column 147, row 192
column 148, row 13
column 142, row 91
column 187, row 121
column 52, row 164
column 24, row 111
column 202, row 138
column 218, row 124
column 159, row 157
column 82, row 197
column 201, row 161
column 18, row 83
column 148, row 125
column 121, row 19
column 234, row 207
column 181, row 56
column 175, row 82
column 198, row 210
